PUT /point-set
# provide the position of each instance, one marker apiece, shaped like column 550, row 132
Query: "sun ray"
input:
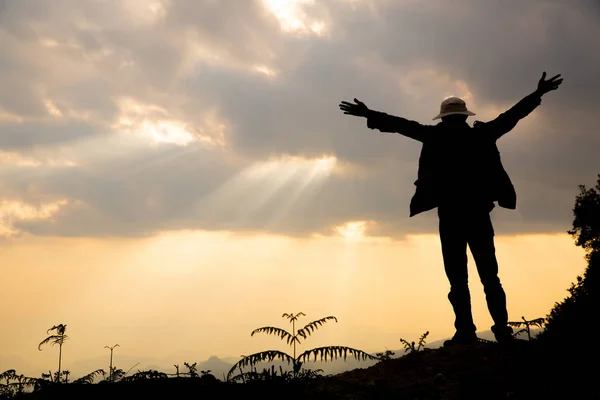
column 308, row 185
column 270, row 187
column 249, row 191
column 347, row 269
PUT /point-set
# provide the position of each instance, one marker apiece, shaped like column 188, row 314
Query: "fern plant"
column 385, row 356
column 15, row 384
column 193, row 370
column 273, row 375
column 150, row 374
column 412, row 346
column 539, row 322
column 57, row 338
column 89, row 378
column 110, row 365
column 293, row 339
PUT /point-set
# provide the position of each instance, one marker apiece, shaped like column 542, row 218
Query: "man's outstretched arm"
column 385, row 122
column 506, row 121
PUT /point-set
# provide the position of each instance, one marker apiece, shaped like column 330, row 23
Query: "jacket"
column 451, row 151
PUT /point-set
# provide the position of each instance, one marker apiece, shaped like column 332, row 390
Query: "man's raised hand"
column 544, row 86
column 359, row 109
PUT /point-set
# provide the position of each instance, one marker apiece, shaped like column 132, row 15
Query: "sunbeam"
column 301, row 188
column 284, row 179
column 267, row 188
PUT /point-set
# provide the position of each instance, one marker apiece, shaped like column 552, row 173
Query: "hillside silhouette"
column 559, row 362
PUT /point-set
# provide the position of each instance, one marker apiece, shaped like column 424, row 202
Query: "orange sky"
column 202, row 294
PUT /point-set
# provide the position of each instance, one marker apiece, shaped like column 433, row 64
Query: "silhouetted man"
column 461, row 174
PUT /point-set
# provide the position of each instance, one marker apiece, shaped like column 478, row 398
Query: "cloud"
column 137, row 112
column 15, row 210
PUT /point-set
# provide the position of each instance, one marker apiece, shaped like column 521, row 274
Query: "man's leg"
column 454, row 252
column 481, row 242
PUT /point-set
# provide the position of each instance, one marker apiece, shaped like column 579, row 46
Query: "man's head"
column 453, row 109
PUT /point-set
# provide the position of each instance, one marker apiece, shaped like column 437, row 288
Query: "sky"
column 175, row 174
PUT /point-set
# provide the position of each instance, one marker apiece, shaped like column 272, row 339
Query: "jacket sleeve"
column 506, row 121
column 392, row 124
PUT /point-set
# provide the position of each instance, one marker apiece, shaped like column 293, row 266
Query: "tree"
column 586, row 224
column 575, row 316
column 293, row 339
column 58, row 338
column 567, row 344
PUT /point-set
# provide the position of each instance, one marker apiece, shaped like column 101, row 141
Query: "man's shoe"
column 460, row 338
column 503, row 334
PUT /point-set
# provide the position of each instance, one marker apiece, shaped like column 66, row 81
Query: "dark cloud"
column 399, row 57
column 15, row 135
column 241, row 30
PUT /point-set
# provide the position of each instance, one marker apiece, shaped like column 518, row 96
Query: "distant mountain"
column 217, row 367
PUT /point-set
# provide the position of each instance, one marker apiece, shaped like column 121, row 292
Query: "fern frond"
column 313, row 326
column 293, row 317
column 422, row 341
column 271, row 330
column 539, row 322
column 53, row 339
column 89, row 378
column 117, row 375
column 408, row 346
column 22, row 382
column 60, row 329
column 311, row 373
column 8, row 374
column 334, row 352
column 134, row 365
column 255, row 358
column 516, row 324
column 517, row 333
column 61, row 339
column 144, row 375
column 47, row 340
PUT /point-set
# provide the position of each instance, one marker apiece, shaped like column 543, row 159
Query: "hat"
column 453, row 105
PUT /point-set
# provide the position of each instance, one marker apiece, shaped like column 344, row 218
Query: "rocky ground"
column 485, row 371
